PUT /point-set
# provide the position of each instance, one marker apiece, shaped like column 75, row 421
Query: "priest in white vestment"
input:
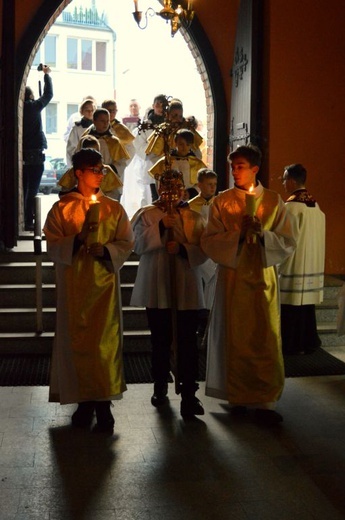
column 302, row 274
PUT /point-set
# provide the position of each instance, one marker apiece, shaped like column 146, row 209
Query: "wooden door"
column 245, row 95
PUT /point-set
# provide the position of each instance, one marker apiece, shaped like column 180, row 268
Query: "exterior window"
column 51, row 118
column 50, row 51
column 100, row 56
column 71, row 109
column 86, row 55
column 37, row 59
column 72, row 53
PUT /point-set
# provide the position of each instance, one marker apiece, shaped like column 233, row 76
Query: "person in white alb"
column 302, row 274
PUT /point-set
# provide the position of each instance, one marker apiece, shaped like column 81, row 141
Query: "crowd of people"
column 241, row 268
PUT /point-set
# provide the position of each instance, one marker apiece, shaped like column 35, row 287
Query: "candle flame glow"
column 251, row 189
column 93, row 198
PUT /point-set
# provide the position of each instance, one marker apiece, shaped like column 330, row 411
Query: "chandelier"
column 178, row 17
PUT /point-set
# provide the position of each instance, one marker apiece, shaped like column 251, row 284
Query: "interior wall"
column 303, row 78
column 304, row 106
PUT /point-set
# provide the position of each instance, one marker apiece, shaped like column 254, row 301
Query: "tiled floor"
column 156, row 466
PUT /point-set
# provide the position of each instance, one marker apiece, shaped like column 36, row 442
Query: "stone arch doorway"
column 202, row 52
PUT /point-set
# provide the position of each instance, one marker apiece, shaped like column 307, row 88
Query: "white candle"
column 93, row 219
column 250, row 202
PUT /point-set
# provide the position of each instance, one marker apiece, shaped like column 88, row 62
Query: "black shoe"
column 266, row 417
column 83, row 415
column 191, row 406
column 159, row 397
column 105, row 419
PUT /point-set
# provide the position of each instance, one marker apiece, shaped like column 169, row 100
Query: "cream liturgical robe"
column 245, row 364
column 302, row 274
column 87, row 354
column 152, row 286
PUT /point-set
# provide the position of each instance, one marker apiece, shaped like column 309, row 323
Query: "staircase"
column 19, row 319
column 326, row 313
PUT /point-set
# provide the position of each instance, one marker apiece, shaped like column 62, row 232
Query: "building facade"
column 80, row 50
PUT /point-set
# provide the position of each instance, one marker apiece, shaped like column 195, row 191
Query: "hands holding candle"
column 89, row 232
column 93, row 221
column 251, row 225
column 250, row 202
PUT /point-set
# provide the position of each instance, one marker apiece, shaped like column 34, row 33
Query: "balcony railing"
column 89, row 17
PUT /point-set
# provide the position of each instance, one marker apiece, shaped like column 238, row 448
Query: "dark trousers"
column 160, row 325
column 32, row 175
column 299, row 329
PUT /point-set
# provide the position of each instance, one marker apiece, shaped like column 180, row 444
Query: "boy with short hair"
column 155, row 143
column 207, row 184
column 87, row 365
column 161, row 293
column 121, row 131
column 110, row 183
column 183, row 159
column 247, row 235
column 111, row 148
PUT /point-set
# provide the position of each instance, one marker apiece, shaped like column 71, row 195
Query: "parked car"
column 48, row 180
column 60, row 166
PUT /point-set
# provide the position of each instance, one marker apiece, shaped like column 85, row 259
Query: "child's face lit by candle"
column 91, row 177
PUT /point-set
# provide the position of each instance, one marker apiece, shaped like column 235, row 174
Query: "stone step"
column 24, row 295
column 18, row 300
column 27, row 254
column 30, row 342
column 327, row 311
column 24, row 319
column 328, row 334
column 26, row 272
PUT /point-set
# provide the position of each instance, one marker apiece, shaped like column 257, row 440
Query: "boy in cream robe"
column 88, row 240
column 112, row 149
column 245, row 363
column 169, row 280
column 182, row 159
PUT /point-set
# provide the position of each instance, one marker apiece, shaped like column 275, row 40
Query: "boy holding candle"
column 88, row 240
column 245, row 363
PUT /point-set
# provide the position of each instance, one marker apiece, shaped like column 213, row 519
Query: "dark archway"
column 42, row 21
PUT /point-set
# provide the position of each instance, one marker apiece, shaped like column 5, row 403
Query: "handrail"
column 38, row 255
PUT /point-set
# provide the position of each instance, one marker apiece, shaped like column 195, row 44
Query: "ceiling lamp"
column 177, row 17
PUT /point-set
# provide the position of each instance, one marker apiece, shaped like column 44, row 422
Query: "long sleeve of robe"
column 152, row 286
column 245, row 364
column 87, row 354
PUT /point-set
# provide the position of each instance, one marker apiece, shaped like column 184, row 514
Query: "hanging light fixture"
column 178, row 17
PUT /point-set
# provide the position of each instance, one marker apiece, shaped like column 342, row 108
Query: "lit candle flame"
column 251, row 189
column 93, row 198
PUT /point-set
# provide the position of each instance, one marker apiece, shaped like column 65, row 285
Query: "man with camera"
column 34, row 144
